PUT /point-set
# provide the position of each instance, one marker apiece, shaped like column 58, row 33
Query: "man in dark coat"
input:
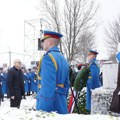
column 15, row 84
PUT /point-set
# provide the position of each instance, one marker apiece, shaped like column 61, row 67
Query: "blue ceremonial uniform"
column 33, row 82
column 26, row 82
column 4, row 83
column 29, row 82
column 93, row 81
column 118, row 56
column 54, row 80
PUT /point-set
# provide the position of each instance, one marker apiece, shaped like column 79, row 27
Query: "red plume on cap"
column 79, row 66
column 51, row 34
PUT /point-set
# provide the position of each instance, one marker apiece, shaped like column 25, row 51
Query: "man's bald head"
column 17, row 63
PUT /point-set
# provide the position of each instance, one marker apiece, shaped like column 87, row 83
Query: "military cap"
column 1, row 68
column 35, row 67
column 22, row 67
column 79, row 66
column 92, row 52
column 51, row 34
column 29, row 69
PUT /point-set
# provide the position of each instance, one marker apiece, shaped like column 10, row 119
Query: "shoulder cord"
column 39, row 66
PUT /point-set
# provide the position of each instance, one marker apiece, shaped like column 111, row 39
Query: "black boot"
column 24, row 97
column 2, row 98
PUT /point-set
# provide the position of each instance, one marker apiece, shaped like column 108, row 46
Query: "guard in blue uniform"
column 4, row 83
column 3, row 77
column 33, row 81
column 93, row 78
column 26, row 79
column 53, row 75
column 29, row 81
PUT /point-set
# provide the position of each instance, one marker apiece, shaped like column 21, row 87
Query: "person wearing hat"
column 93, row 77
column 53, row 76
column 79, row 66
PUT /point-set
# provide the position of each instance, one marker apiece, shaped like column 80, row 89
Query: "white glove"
column 12, row 97
column 119, row 93
column 1, row 74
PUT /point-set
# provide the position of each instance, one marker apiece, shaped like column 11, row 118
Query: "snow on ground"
column 101, row 97
column 26, row 112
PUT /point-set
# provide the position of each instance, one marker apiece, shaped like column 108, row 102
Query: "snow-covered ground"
column 101, row 97
column 26, row 112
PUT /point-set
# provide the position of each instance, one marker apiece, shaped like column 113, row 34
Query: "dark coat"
column 0, row 89
column 115, row 103
column 0, row 94
column 15, row 82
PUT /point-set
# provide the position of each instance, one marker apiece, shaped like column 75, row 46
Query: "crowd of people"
column 29, row 77
column 51, row 79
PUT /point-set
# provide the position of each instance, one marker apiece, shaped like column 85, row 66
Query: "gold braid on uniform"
column 39, row 67
column 38, row 77
column 53, row 60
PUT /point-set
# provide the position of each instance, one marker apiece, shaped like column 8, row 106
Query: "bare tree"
column 76, row 17
column 113, row 38
column 87, row 43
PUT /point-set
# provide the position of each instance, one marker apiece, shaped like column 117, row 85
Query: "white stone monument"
column 102, row 97
column 110, row 73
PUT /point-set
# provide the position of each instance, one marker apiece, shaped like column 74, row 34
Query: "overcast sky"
column 14, row 12
column 12, row 16
column 109, row 11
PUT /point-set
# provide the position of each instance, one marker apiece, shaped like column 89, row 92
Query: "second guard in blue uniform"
column 26, row 80
column 53, row 75
column 33, row 82
column 93, row 78
column 29, row 81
